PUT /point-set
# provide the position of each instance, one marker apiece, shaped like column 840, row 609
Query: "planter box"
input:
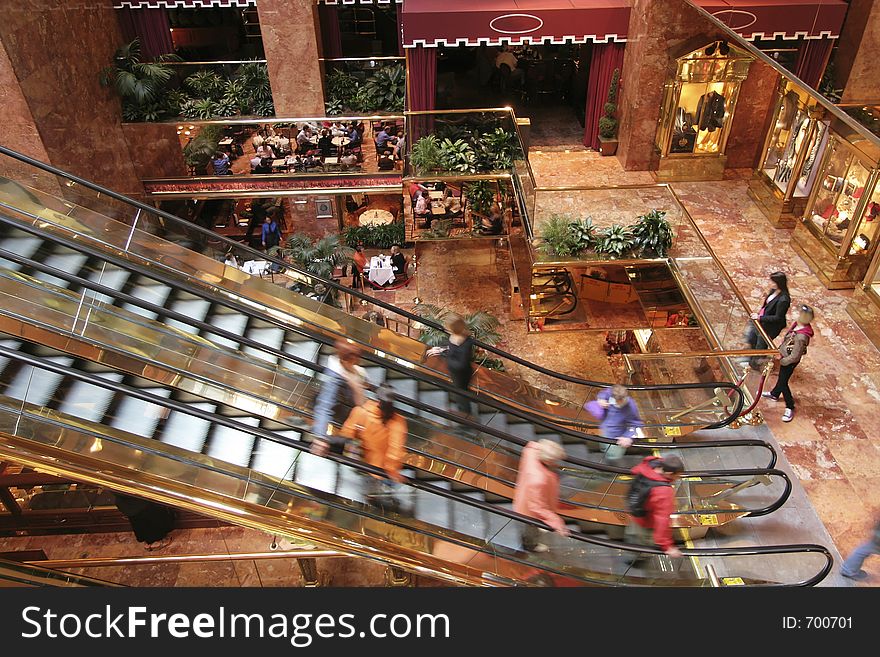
column 607, row 146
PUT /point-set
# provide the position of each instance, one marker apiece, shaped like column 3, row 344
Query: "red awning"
column 472, row 22
column 769, row 19
column 180, row 4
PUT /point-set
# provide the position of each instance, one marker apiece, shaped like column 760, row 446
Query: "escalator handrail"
column 315, row 367
column 317, row 337
column 335, row 285
column 120, row 388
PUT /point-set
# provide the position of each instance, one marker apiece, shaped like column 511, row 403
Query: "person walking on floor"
column 852, row 567
column 771, row 316
column 341, row 391
column 791, row 351
column 620, row 420
column 651, row 501
column 150, row 521
column 382, row 433
column 459, row 352
column 271, row 234
column 537, row 491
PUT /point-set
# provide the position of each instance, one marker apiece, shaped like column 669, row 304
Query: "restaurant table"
column 435, row 195
column 330, row 161
column 255, row 267
column 380, row 271
column 375, row 217
column 341, row 141
column 279, row 164
column 225, row 142
column 437, row 208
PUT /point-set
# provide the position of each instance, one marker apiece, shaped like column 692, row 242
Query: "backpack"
column 639, row 491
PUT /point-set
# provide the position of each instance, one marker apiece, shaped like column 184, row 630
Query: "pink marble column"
column 20, row 132
column 56, row 49
column 754, row 112
column 855, row 64
column 290, row 40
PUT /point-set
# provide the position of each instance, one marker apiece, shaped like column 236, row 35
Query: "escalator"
column 552, row 293
column 19, row 575
column 95, row 427
column 255, row 368
column 526, row 387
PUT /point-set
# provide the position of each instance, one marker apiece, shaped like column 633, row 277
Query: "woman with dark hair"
column 459, row 352
column 772, row 315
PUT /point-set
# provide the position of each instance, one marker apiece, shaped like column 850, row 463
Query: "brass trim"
column 101, row 562
column 383, row 58
column 273, row 120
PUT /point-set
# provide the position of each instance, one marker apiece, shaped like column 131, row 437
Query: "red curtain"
column 811, row 60
column 421, row 88
column 605, row 58
column 151, row 26
column 331, row 38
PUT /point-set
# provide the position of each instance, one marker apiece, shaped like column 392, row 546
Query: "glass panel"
column 700, row 118
column 865, row 235
column 790, row 132
column 815, row 147
column 838, row 199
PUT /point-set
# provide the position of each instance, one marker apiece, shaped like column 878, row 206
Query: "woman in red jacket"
column 537, row 491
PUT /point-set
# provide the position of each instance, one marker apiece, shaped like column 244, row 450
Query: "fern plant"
column 140, row 85
column 615, row 241
column 558, row 238
column 482, row 325
column 652, row 234
column 425, row 154
column 319, row 258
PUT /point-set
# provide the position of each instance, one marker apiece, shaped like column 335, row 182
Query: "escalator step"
column 152, row 293
column 195, row 308
column 109, row 276
column 70, row 262
column 22, row 245
column 187, row 431
column 522, row 430
column 273, row 458
column 232, row 322
column 86, row 401
column 232, row 445
column 140, row 417
column 271, row 337
column 36, row 386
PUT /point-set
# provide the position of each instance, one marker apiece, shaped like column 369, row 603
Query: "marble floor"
column 833, row 444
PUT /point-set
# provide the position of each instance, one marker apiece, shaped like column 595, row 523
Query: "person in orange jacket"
column 537, row 491
column 382, row 433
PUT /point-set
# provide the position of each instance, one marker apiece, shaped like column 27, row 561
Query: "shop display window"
column 699, row 104
column 796, row 142
column 866, row 233
column 841, row 189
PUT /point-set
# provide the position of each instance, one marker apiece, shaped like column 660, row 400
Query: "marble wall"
column 856, row 69
column 754, row 113
column 290, row 41
column 57, row 49
column 660, row 31
column 155, row 150
column 20, row 131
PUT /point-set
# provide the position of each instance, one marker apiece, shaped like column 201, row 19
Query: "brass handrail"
column 219, row 61
column 101, row 562
column 273, row 120
column 698, row 354
column 383, row 58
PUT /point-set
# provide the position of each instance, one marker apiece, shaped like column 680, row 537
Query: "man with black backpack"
column 651, row 501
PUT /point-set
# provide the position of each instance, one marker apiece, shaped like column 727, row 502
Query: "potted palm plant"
column 608, row 123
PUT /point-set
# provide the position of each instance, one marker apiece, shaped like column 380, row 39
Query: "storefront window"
column 699, row 105
column 865, row 234
column 837, row 200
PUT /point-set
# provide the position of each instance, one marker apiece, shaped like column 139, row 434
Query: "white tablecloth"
column 255, row 267
column 381, row 272
column 341, row 141
column 375, row 218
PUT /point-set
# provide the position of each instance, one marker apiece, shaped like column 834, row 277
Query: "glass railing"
column 285, row 489
column 273, row 384
column 15, row 575
column 194, row 257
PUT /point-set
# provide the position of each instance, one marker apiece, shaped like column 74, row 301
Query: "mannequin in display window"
column 710, row 111
column 684, row 134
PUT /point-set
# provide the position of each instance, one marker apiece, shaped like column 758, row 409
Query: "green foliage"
column 319, row 258
column 482, row 324
column 457, row 156
column 383, row 91
column 425, row 154
column 558, row 238
column 386, row 88
column 497, row 150
column 615, row 241
column 139, row 85
column 381, row 236
column 608, row 123
column 205, row 84
column 652, row 234
column 175, row 100
column 480, row 195
column 584, row 233
column 255, row 77
column 333, row 107
column 201, row 148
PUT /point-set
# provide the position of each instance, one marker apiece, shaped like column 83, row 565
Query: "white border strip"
column 181, row 4
column 514, row 41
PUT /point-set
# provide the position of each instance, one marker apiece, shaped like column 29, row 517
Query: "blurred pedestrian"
column 341, row 391
column 459, row 353
column 651, row 501
column 620, row 420
column 852, row 567
column 537, row 491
